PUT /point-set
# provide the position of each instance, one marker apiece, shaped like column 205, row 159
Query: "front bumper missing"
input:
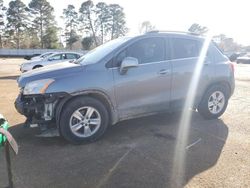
column 38, row 109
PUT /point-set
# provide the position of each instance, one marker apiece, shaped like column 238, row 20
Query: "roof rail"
column 165, row 31
column 152, row 31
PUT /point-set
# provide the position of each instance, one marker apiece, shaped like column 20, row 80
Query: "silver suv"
column 125, row 78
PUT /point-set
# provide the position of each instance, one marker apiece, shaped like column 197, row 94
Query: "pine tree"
column 18, row 20
column 71, row 22
column 103, row 19
column 117, row 26
column 87, row 13
column 2, row 23
column 43, row 18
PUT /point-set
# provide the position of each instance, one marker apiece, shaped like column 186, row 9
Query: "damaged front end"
column 39, row 109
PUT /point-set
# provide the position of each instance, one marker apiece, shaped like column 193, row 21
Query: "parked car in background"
column 233, row 56
column 243, row 59
column 125, row 78
column 28, row 57
column 49, row 60
column 42, row 56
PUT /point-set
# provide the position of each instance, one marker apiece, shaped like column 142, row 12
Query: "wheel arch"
column 37, row 66
column 223, row 83
column 102, row 97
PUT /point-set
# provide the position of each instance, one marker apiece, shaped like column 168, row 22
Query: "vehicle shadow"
column 133, row 153
column 205, row 144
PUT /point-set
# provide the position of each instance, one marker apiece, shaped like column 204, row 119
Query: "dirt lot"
column 136, row 153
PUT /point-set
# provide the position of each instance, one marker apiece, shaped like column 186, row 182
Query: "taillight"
column 232, row 66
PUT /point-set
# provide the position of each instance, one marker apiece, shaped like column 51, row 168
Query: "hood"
column 36, row 58
column 50, row 71
column 33, row 60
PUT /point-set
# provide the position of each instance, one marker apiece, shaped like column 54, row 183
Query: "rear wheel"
column 214, row 102
column 83, row 119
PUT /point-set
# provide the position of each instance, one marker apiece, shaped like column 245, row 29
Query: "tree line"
column 34, row 25
column 226, row 44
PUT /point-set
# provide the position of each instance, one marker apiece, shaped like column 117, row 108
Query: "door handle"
column 207, row 62
column 164, row 72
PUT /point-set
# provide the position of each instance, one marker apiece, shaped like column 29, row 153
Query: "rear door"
column 53, row 59
column 185, row 55
column 146, row 88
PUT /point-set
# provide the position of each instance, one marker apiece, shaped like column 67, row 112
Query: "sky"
column 229, row 17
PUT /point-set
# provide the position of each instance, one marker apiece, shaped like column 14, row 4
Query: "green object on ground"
column 5, row 125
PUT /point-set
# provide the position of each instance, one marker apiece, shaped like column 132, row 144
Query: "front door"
column 146, row 88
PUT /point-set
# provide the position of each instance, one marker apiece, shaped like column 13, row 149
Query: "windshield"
column 98, row 53
column 46, row 55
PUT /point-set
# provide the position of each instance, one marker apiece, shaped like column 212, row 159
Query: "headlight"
column 37, row 87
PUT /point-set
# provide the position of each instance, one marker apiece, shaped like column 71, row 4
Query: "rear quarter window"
column 215, row 55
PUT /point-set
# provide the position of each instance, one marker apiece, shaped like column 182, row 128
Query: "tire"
column 210, row 108
column 70, row 124
column 37, row 66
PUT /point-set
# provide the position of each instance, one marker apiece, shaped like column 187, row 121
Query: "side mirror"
column 127, row 63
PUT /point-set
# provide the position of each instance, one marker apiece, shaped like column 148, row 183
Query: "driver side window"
column 145, row 50
column 55, row 57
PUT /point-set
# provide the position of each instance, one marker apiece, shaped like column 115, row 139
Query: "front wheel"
column 214, row 102
column 83, row 119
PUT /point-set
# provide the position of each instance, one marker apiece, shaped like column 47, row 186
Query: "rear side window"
column 185, row 48
column 145, row 50
column 72, row 56
column 56, row 57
